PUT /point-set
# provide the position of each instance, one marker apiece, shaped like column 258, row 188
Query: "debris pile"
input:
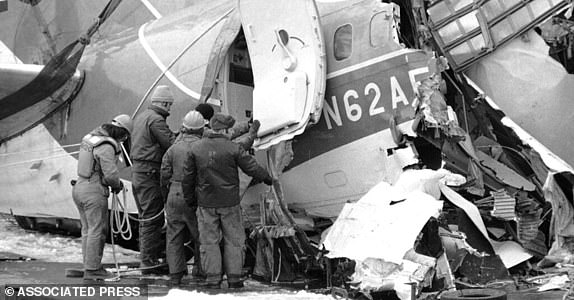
column 494, row 212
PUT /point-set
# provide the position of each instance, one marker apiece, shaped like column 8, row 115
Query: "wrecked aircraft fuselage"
column 345, row 212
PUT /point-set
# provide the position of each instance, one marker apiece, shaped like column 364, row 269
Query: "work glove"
column 118, row 190
column 255, row 127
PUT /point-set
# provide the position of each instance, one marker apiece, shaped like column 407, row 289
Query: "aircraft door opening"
column 238, row 78
column 287, row 57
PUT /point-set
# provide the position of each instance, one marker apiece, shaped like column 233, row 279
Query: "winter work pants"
column 91, row 199
column 216, row 224
column 150, row 202
column 181, row 227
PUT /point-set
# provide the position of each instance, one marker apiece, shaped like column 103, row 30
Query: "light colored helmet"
column 193, row 120
column 124, row 121
column 162, row 93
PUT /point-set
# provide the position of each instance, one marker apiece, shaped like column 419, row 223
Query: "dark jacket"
column 173, row 162
column 151, row 137
column 212, row 170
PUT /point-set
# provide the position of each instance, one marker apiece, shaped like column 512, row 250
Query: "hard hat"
column 193, row 120
column 124, row 121
column 162, row 93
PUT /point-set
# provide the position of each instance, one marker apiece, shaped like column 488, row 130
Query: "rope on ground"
column 115, row 215
column 120, row 225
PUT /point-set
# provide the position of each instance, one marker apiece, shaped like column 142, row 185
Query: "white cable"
column 122, row 223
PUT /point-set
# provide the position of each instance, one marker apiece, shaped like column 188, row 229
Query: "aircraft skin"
column 335, row 161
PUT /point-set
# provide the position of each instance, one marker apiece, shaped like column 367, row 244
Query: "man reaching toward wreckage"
column 211, row 176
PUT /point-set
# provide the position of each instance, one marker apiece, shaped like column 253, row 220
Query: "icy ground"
column 51, row 247
column 59, row 248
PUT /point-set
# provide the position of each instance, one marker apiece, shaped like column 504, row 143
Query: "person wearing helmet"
column 97, row 173
column 180, row 211
column 150, row 139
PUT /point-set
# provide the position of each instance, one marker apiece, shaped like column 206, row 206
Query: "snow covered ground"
column 65, row 249
column 51, row 247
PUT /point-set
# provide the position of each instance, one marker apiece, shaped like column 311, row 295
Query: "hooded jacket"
column 211, row 172
column 151, row 137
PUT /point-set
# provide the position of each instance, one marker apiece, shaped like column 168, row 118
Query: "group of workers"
column 191, row 175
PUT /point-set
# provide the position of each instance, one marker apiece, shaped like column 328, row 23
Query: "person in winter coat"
column 211, row 175
column 180, row 211
column 243, row 133
column 97, row 173
column 150, row 139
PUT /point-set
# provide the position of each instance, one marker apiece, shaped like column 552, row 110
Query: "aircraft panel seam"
column 368, row 63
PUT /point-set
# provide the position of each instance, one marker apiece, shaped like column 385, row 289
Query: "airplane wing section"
column 39, row 92
column 287, row 52
column 15, row 76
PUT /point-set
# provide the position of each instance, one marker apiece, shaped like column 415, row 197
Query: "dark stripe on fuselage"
column 351, row 110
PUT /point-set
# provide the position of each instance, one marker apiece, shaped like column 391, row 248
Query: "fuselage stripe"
column 367, row 63
column 161, row 66
column 151, row 9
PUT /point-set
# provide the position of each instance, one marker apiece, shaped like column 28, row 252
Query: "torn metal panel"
column 516, row 84
column 380, row 230
column 467, row 31
column 511, row 253
column 563, row 211
column 364, row 228
column 482, row 269
column 528, row 226
column 504, row 173
column 474, row 235
column 443, row 271
column 556, row 282
column 562, row 223
column 432, row 105
column 504, row 206
column 537, row 246
column 378, row 275
column 455, row 241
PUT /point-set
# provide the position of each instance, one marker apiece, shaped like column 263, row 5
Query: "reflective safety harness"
column 86, row 155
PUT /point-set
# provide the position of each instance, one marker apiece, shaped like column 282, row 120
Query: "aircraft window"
column 343, row 42
column 381, row 29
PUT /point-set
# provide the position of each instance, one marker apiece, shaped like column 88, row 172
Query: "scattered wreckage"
column 491, row 207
